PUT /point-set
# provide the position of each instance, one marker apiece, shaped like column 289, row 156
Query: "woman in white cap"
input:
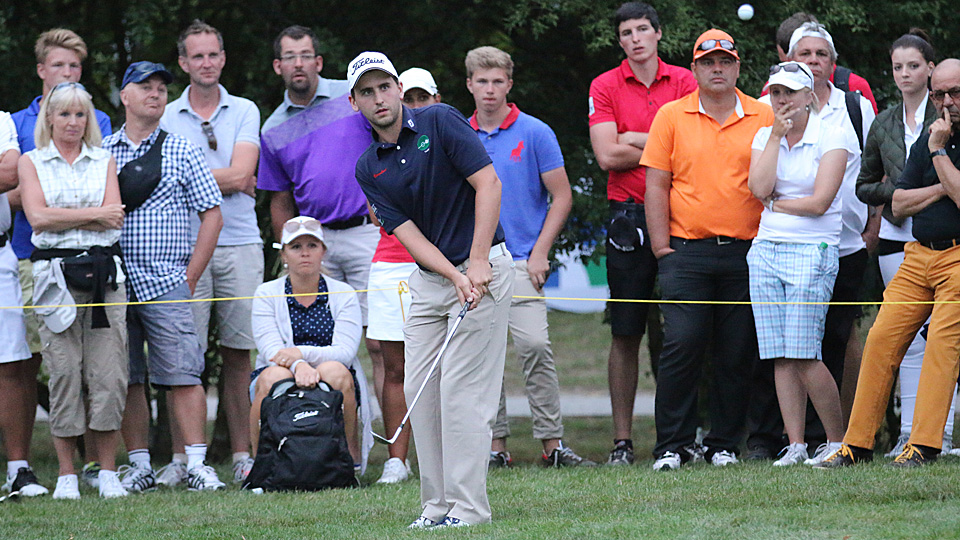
column 311, row 337
column 796, row 169
column 71, row 197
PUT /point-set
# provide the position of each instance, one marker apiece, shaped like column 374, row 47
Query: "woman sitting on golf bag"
column 310, row 338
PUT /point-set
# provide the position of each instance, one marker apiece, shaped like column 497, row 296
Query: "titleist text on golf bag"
column 302, row 443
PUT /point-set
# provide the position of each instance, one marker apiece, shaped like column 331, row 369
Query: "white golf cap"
column 366, row 61
column 793, row 75
column 300, row 226
column 811, row 29
column 419, row 78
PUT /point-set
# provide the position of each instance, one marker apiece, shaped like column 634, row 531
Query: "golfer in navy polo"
column 431, row 183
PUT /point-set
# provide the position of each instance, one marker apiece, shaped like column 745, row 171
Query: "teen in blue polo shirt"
column 528, row 161
column 430, row 183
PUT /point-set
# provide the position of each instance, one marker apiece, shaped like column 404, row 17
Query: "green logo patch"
column 423, row 143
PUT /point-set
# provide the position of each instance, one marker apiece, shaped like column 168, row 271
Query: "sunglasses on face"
column 294, row 226
column 938, row 95
column 724, row 44
column 208, row 131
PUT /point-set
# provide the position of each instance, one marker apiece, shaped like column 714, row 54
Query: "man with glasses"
column 702, row 218
column 164, row 262
column 60, row 54
column 929, row 191
column 227, row 129
column 622, row 104
column 309, row 148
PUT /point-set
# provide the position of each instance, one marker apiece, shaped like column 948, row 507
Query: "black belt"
column 941, row 245
column 348, row 223
column 628, row 206
column 3, row 239
column 718, row 240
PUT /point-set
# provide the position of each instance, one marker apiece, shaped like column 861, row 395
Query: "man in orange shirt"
column 701, row 218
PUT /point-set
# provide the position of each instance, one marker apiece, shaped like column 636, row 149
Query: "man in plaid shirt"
column 156, row 243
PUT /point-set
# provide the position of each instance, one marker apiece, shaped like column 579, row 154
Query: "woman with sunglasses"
column 796, row 170
column 311, row 337
column 884, row 154
column 71, row 198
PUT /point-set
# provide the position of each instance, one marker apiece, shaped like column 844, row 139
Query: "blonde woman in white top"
column 72, row 199
column 796, row 169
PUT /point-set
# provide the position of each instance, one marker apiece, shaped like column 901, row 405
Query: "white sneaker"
column 954, row 452
column 423, row 522
column 137, row 479
column 394, row 472
column 667, row 462
column 823, row 452
column 722, row 458
column 172, row 474
column 241, row 469
column 68, row 488
column 898, row 448
column 110, row 486
column 794, row 454
column 203, row 478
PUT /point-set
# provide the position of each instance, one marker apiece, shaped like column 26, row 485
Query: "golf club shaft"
column 433, row 367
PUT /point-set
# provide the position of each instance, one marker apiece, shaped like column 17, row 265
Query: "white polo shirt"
column 796, row 173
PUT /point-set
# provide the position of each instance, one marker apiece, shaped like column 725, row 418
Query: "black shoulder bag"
column 140, row 177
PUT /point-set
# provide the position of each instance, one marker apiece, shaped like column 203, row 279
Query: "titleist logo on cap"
column 363, row 62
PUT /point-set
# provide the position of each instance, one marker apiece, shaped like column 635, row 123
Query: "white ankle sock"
column 139, row 457
column 14, row 466
column 240, row 456
column 104, row 474
column 182, row 458
column 196, row 454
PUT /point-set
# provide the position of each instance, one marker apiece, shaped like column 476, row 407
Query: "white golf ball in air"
column 745, row 12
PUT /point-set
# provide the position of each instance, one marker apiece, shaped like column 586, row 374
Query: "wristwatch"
column 938, row 152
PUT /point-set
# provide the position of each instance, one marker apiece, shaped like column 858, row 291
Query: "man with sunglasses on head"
column 309, row 148
column 622, row 104
column 60, row 54
column 227, row 129
column 929, row 191
column 167, row 181
column 702, row 218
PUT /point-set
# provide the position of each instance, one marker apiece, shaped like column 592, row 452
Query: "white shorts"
column 13, row 330
column 388, row 307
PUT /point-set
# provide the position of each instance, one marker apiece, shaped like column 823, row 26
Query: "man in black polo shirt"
column 431, row 183
column 928, row 190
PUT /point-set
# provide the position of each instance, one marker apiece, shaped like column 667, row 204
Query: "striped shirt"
column 156, row 239
column 81, row 184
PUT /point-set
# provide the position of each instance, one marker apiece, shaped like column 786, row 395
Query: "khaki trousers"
column 528, row 326
column 452, row 423
column 925, row 275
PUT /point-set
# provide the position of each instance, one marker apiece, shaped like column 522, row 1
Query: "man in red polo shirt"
column 623, row 102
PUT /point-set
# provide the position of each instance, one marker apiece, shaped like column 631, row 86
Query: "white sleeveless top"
column 78, row 185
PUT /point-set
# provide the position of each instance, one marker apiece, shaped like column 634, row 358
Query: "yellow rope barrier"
column 402, row 287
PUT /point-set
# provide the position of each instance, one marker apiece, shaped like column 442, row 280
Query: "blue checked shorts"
column 783, row 272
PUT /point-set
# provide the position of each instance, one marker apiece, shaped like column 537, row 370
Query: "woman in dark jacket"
column 884, row 154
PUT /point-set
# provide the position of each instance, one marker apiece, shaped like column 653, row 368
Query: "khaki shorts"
column 29, row 315
column 233, row 271
column 88, row 369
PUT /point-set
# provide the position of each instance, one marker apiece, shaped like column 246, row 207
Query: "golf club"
column 14, row 496
column 436, row 362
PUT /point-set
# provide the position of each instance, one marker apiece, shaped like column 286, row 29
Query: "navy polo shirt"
column 422, row 178
column 940, row 220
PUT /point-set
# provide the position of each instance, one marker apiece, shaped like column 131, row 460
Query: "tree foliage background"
column 559, row 46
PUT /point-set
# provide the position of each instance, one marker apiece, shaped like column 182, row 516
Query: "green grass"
column 748, row 501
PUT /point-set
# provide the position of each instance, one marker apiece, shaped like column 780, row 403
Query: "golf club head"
column 14, row 496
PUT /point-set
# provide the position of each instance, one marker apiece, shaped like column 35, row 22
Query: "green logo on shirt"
column 423, row 143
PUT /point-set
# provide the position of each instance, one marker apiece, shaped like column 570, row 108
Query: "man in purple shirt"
column 308, row 162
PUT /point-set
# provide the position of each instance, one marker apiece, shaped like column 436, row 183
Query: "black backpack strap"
column 856, row 114
column 841, row 78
